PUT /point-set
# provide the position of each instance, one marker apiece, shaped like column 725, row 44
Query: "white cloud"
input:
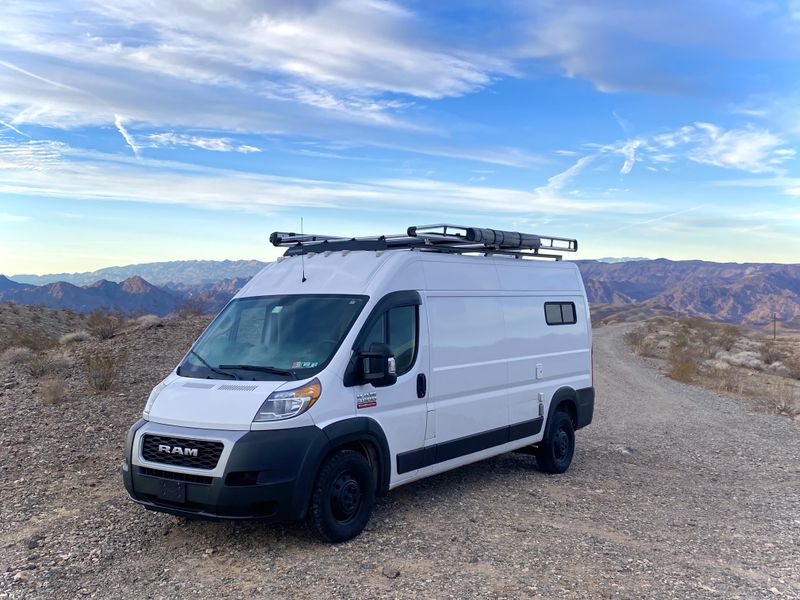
column 628, row 150
column 14, row 129
column 750, row 149
column 76, row 62
column 66, row 172
column 172, row 139
column 557, row 182
column 129, row 139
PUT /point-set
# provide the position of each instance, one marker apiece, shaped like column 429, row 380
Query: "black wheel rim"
column 561, row 445
column 345, row 497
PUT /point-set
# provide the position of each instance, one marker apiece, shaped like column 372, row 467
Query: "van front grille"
column 181, row 452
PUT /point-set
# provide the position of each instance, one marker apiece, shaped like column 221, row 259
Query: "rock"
column 391, row 571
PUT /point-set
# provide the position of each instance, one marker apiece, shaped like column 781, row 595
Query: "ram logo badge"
column 366, row 400
column 177, row 450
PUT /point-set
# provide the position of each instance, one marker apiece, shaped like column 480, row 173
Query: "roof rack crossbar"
column 439, row 237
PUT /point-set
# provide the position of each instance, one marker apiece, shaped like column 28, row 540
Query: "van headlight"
column 285, row 404
column 152, row 398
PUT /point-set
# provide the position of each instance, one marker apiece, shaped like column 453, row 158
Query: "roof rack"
column 455, row 239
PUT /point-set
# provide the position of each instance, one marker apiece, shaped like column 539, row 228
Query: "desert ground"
column 675, row 492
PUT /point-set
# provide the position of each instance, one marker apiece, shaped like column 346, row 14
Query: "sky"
column 148, row 130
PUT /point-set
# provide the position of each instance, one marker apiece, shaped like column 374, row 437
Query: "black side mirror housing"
column 377, row 366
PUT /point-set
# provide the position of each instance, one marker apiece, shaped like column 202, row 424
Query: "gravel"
column 674, row 492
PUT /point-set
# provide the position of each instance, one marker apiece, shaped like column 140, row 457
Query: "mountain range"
column 161, row 274
column 749, row 293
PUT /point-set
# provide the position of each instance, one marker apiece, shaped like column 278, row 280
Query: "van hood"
column 211, row 403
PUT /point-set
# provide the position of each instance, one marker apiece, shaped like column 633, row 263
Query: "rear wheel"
column 343, row 497
column 555, row 451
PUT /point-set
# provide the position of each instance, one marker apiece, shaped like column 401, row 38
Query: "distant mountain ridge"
column 747, row 293
column 133, row 295
column 161, row 274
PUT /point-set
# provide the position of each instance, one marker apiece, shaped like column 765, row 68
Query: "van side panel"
column 560, row 351
column 522, row 276
column 468, row 376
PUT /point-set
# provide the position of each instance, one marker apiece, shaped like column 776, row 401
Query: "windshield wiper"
column 212, row 369
column 262, row 368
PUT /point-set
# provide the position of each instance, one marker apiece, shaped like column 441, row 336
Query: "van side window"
column 560, row 313
column 397, row 327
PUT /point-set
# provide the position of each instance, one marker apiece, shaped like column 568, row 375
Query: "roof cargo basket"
column 454, row 239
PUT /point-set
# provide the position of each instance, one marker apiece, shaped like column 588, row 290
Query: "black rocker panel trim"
column 431, row 455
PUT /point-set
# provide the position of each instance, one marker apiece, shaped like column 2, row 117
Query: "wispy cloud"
column 14, row 129
column 129, row 139
column 628, row 150
column 27, row 73
column 240, row 57
column 81, row 175
column 557, row 182
column 214, row 144
column 753, row 150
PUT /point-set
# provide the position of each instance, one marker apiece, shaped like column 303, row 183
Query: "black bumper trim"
column 584, row 406
column 286, row 461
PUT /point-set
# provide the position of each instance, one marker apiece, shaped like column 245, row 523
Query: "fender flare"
column 562, row 396
column 363, row 429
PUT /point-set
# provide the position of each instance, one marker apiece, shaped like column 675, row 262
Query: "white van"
column 352, row 366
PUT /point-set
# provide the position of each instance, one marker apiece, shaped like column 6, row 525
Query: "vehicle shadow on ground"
column 445, row 488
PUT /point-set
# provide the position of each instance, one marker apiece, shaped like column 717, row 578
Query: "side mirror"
column 377, row 366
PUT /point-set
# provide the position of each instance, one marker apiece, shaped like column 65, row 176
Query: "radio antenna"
column 302, row 262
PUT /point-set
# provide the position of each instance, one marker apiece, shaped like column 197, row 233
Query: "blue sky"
column 146, row 130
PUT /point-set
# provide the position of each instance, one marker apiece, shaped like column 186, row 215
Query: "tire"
column 555, row 451
column 343, row 497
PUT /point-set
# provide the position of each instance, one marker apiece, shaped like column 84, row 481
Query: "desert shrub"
column 792, row 364
column 193, row 307
column 745, row 358
column 681, row 368
column 17, row 355
column 787, row 403
column 771, row 353
column 39, row 366
column 60, row 360
column 148, row 321
column 52, row 390
column 723, row 378
column 102, row 370
column 24, row 337
column 682, row 359
column 635, row 339
column 75, row 336
column 103, row 325
column 728, row 336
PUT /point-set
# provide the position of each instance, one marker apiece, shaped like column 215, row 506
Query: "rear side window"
column 560, row 313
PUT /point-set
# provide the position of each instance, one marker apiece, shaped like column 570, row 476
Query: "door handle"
column 422, row 385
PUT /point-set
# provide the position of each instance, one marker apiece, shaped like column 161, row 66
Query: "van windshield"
column 272, row 337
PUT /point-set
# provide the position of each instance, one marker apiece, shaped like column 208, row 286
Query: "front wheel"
column 343, row 497
column 555, row 451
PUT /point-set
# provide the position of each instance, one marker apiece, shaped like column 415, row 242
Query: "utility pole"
column 774, row 326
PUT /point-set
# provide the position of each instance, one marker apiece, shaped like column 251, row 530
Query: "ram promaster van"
column 349, row 367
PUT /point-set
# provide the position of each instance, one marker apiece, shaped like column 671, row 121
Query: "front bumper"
column 264, row 475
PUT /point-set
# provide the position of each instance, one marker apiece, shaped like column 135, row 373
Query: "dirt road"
column 674, row 492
